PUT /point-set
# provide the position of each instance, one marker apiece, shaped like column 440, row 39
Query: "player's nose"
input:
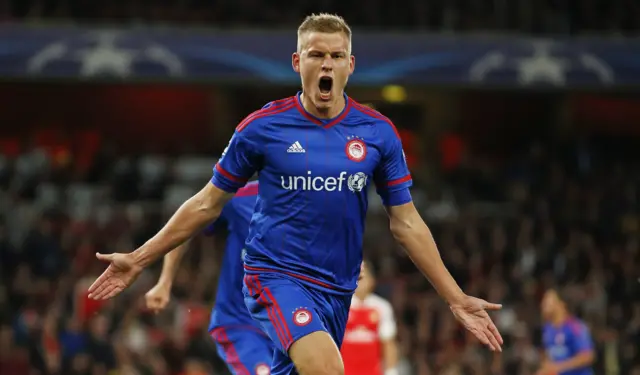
column 327, row 64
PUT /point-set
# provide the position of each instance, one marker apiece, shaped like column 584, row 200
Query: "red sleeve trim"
column 277, row 107
column 377, row 115
column 398, row 181
column 230, row 176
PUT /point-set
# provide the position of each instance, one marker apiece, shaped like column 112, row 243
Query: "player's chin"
column 324, row 100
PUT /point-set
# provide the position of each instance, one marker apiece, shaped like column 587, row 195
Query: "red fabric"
column 197, row 317
column 87, row 145
column 451, row 148
column 87, row 307
column 362, row 349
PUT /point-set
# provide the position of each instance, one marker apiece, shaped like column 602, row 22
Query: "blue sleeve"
column 581, row 338
column 240, row 160
column 392, row 176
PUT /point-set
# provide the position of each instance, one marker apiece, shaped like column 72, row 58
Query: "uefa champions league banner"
column 265, row 57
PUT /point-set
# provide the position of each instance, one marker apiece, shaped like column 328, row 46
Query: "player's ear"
column 295, row 62
column 352, row 64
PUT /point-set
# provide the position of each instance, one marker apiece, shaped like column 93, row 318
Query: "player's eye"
column 338, row 55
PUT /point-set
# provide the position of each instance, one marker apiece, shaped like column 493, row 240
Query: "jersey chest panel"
column 311, row 155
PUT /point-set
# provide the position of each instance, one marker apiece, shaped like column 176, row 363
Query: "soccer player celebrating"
column 315, row 154
column 239, row 339
column 370, row 340
column 567, row 341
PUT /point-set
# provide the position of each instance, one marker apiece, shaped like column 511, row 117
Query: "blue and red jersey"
column 565, row 341
column 312, row 201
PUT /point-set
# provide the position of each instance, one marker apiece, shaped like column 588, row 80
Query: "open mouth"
column 325, row 85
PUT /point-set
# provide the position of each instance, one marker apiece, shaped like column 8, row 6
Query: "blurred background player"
column 239, row 340
column 369, row 346
column 566, row 339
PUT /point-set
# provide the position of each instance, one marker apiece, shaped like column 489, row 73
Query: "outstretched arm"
column 194, row 214
column 414, row 236
column 393, row 180
column 191, row 217
column 412, row 233
column 240, row 160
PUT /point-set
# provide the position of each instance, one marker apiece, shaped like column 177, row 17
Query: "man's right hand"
column 120, row 274
column 472, row 313
column 158, row 297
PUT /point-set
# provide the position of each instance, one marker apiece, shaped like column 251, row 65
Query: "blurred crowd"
column 54, row 220
column 528, row 16
column 507, row 230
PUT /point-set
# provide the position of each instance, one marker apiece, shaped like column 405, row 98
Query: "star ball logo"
column 542, row 62
column 107, row 53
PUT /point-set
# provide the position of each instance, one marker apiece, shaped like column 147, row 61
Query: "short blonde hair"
column 323, row 23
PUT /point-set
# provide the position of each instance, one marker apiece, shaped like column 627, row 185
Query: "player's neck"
column 560, row 318
column 361, row 296
column 327, row 113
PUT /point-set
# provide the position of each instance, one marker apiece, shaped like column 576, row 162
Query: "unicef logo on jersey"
column 355, row 182
column 243, row 254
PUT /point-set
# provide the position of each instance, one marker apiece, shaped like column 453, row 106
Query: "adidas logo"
column 297, row 148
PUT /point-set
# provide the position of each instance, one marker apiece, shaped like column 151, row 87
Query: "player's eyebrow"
column 332, row 52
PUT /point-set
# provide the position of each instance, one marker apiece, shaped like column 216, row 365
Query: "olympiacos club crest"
column 302, row 317
column 263, row 369
column 356, row 150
